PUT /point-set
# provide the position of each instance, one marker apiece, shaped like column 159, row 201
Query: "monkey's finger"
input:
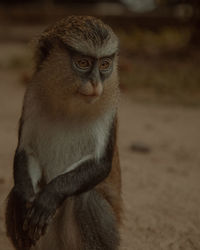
column 48, row 221
column 41, row 225
column 30, row 212
column 26, row 223
column 37, row 233
column 27, row 219
column 20, row 243
column 33, row 242
column 28, row 205
column 15, row 226
column 44, row 229
column 34, row 222
column 27, row 243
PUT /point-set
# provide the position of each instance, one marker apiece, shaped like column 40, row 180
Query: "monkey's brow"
column 111, row 56
column 74, row 51
column 71, row 49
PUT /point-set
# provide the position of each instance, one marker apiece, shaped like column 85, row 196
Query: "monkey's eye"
column 83, row 63
column 105, row 64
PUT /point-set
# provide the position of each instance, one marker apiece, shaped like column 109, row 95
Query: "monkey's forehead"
column 84, row 33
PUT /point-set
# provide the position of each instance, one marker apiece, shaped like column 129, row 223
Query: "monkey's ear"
column 42, row 51
column 43, row 48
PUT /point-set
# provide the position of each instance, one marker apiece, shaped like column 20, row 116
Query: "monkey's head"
column 77, row 62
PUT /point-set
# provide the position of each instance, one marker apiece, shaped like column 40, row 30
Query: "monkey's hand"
column 18, row 203
column 40, row 214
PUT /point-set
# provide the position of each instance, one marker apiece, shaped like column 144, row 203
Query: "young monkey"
column 67, row 184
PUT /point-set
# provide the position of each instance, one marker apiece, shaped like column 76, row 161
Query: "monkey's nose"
column 91, row 90
column 97, row 88
column 95, row 83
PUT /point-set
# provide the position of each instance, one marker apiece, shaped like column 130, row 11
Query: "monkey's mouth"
column 91, row 93
column 91, row 98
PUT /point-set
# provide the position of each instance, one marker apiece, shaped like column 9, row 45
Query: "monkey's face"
column 93, row 73
column 74, row 83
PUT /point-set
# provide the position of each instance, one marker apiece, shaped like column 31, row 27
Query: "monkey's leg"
column 83, row 222
column 97, row 222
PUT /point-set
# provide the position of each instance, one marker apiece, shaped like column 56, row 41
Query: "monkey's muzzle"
column 91, row 90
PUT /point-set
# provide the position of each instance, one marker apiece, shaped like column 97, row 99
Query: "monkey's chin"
column 90, row 99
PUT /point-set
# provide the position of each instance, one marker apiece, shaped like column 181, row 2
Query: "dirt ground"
column 161, row 186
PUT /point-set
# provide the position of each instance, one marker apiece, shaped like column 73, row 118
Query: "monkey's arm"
column 83, row 178
column 18, row 199
column 23, row 184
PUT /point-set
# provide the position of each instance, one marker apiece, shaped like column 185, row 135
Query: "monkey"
column 66, row 170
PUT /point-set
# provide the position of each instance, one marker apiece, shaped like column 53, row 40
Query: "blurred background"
column 159, row 114
column 159, row 40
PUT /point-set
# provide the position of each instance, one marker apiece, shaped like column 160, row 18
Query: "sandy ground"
column 160, row 188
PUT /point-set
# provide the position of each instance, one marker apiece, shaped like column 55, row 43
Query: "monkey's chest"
column 60, row 151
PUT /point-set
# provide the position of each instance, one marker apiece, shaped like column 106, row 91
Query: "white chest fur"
column 56, row 148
